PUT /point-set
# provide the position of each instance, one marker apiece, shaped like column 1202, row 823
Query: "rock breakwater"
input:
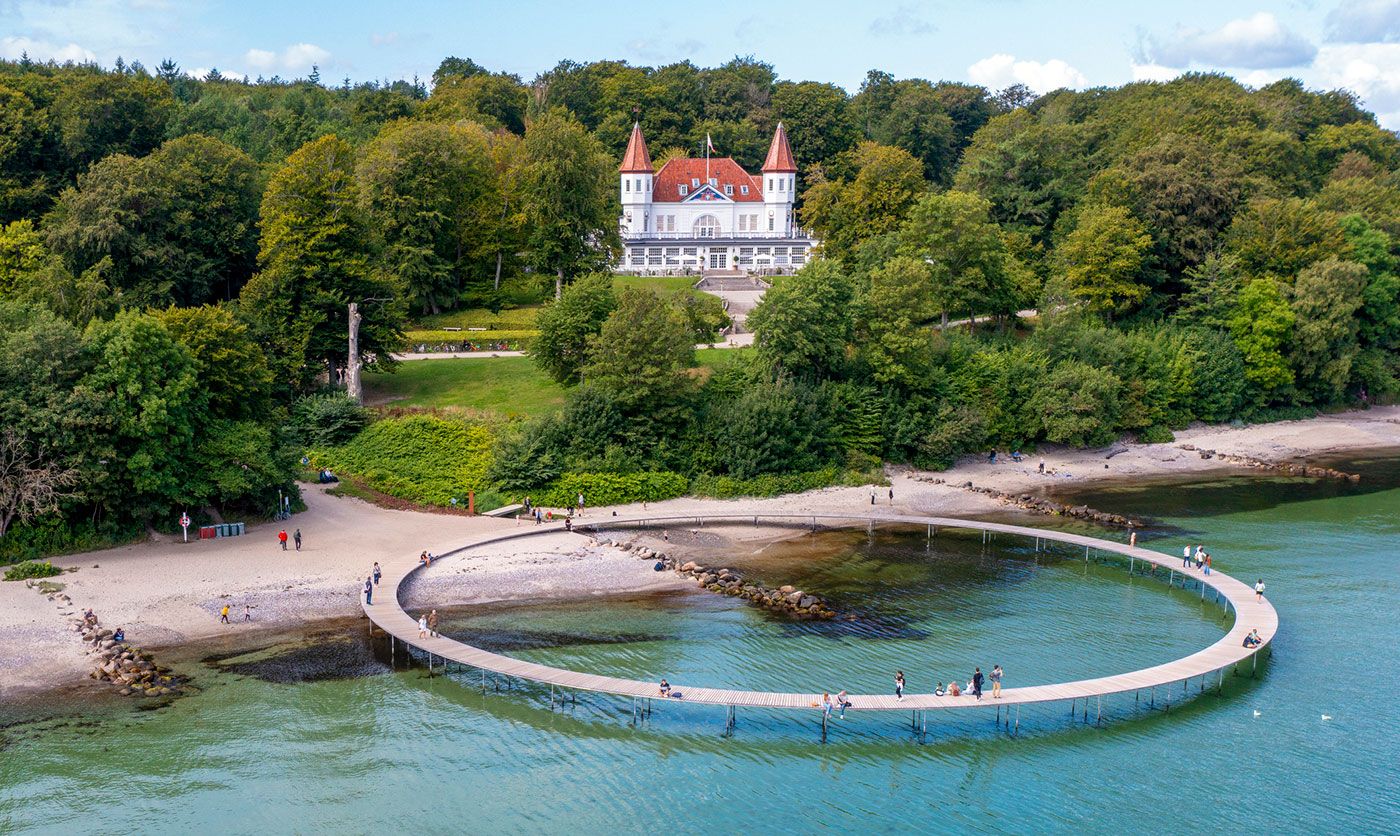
column 785, row 599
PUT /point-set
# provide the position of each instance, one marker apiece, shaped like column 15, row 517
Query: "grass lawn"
column 500, row 386
column 665, row 284
column 715, row 358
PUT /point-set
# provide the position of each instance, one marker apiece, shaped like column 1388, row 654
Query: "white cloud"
column 1258, row 42
column 1372, row 71
column 1154, row 72
column 1001, row 70
column 295, row 58
column 13, row 48
column 904, row 20
column 1364, row 21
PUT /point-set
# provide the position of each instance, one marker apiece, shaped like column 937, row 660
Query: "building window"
column 695, row 182
column 770, row 184
column 707, row 226
column 714, row 182
column 781, row 183
column 728, row 190
column 682, row 189
column 670, row 223
column 743, row 190
column 639, row 184
column 627, row 185
column 770, row 223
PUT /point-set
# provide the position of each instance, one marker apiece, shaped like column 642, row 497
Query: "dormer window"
column 695, row 182
column 743, row 190
column 682, row 188
column 714, row 182
column 728, row 190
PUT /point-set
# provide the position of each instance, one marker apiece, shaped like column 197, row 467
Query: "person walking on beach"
column 996, row 682
column 977, row 683
column 872, row 497
column 1259, row 590
column 899, row 685
column 247, row 613
column 433, row 623
column 1042, row 467
column 580, row 503
column 297, row 537
column 422, row 626
column 376, row 573
column 282, row 538
column 223, row 614
column 369, row 591
column 891, row 494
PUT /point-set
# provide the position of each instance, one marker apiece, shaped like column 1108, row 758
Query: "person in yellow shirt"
column 223, row 614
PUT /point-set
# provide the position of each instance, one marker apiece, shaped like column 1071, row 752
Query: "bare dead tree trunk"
column 558, row 284
column 352, row 369
column 500, row 257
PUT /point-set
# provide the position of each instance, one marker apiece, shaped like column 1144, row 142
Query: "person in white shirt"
column 1259, row 590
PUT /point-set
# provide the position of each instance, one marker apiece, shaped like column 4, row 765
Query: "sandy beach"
column 167, row 593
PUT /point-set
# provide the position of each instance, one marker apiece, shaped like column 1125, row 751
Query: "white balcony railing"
column 691, row 236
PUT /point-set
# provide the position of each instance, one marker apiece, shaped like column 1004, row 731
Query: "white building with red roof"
column 708, row 214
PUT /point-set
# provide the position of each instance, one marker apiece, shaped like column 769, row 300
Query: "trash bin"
column 238, row 529
column 206, row 532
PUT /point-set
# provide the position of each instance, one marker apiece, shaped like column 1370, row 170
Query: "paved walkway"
column 1228, row 651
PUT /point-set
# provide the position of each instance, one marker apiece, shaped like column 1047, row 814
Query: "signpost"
column 185, row 524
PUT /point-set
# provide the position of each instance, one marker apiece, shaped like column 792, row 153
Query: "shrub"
column 422, row 458
column 611, row 488
column 326, row 420
column 31, row 569
column 728, row 487
column 1155, row 434
column 518, row 339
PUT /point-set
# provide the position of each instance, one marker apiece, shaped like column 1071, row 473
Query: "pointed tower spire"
column 779, row 154
column 636, row 160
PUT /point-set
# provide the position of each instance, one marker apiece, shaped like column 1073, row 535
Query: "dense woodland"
column 177, row 255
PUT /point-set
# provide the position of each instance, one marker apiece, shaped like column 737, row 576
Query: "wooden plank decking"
column 387, row 614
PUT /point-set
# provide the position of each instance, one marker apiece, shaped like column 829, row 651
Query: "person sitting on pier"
column 843, row 702
column 826, row 705
column 953, row 689
column 665, row 688
column 1253, row 640
column 940, row 690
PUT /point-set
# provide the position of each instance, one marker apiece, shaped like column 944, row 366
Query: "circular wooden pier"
column 1207, row 665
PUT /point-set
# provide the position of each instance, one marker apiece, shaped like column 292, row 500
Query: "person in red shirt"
column 282, row 538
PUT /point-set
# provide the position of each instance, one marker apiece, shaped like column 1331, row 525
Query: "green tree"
column 895, row 317
column 1078, row 404
column 814, row 115
column 568, row 183
column 1280, row 237
column 98, row 114
column 315, row 262
column 803, row 324
column 431, row 194
column 179, row 226
column 1261, row 327
column 644, row 350
column 229, row 366
column 971, row 270
column 143, row 391
column 1103, row 258
column 567, row 324
column 844, row 213
column 1326, row 298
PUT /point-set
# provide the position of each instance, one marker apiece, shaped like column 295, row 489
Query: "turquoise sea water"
column 272, row 746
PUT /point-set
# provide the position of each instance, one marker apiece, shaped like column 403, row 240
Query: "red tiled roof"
column 724, row 171
column 779, row 154
column 636, row 160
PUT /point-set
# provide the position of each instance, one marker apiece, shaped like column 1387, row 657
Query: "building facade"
column 709, row 215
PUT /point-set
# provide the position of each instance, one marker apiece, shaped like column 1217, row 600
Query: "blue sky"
column 1327, row 43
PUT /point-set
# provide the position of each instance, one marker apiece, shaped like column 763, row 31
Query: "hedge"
column 728, row 487
column 518, row 340
column 611, row 488
column 422, row 458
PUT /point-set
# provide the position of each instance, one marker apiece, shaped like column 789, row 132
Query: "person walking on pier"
column 369, row 592
column 433, row 622
column 1132, row 539
column 422, row 626
column 1259, row 590
column 899, row 685
column 376, row 573
column 977, row 683
column 1207, row 569
column 996, row 682
column 1186, row 557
